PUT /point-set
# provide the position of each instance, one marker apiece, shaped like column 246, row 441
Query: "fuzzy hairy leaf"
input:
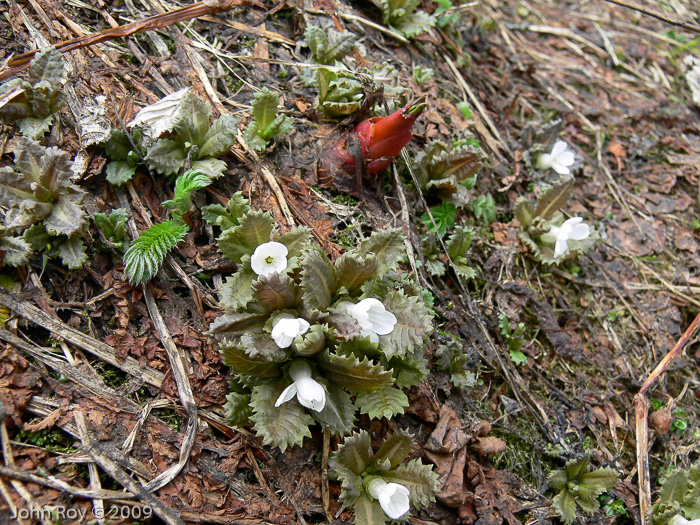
column 120, row 172
column 275, row 291
column 238, row 409
column 219, row 137
column 602, row 478
column 192, row 120
column 565, row 505
column 142, row 261
column 166, row 156
column 67, row 216
column 237, row 290
column 675, row 487
column 283, row 426
column 18, row 106
column 444, row 170
column 338, row 415
column 353, row 269
column 47, row 66
column 235, row 324
column 407, row 371
column 328, row 46
column 296, row 240
column 413, row 326
column 35, row 127
column 72, row 252
column 355, row 454
column 252, row 137
column 369, row 512
column 160, row 117
column 554, row 199
column 211, row 167
column 265, row 107
column 419, row 479
column 113, row 226
column 37, row 237
column 352, row 373
column 318, row 281
column 385, row 402
column 459, row 241
column 312, row 342
column 387, row 245
column 242, row 363
column 15, row 250
column 394, row 449
column 340, row 93
column 254, row 229
column 261, row 346
column 185, row 186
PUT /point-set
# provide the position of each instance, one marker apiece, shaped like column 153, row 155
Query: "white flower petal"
column 395, row 499
column 382, row 321
column 269, row 257
column 287, row 394
column 560, row 248
column 559, row 147
column 580, row 232
column 566, row 159
column 311, row 393
column 284, row 331
column 560, row 169
column 544, row 161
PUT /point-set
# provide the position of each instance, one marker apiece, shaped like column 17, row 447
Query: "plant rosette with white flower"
column 571, row 230
column 560, row 159
column 372, row 316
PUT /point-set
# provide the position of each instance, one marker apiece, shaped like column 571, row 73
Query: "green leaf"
column 265, row 107
column 252, row 137
column 328, row 46
column 120, row 172
column 353, row 374
column 354, row 269
column 605, row 478
column 338, row 415
column 420, row 480
column 369, row 512
column 355, row 454
column 211, row 167
column 37, row 237
column 675, row 487
column 234, row 325
column 35, row 127
column 254, row 229
column 275, row 291
column 282, row 426
column 192, row 120
column 407, row 371
column 565, row 505
column 460, row 241
column 237, row 291
column 444, row 216
column 118, row 146
column 386, row 402
column 238, row 409
column 15, row 250
column 242, row 363
column 554, row 199
column 72, row 252
column 47, row 66
column 219, row 137
column 296, row 240
column 312, row 342
column 228, row 217
column 395, row 449
column 67, row 216
column 261, row 346
column 524, row 212
column 166, row 156
column 387, row 245
column 142, row 261
column 318, row 281
column 413, row 327
column 185, row 186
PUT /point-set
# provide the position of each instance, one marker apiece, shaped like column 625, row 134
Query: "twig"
column 641, row 407
column 261, row 478
column 97, row 503
column 325, row 492
column 655, row 14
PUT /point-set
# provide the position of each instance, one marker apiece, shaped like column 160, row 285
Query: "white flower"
column 559, row 159
column 309, row 392
column 571, row 229
column 394, row 498
column 680, row 520
column 286, row 327
column 269, row 257
column 372, row 316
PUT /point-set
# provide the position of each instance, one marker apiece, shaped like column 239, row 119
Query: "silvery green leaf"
column 283, row 426
column 18, row 105
column 265, row 107
column 159, row 118
column 15, row 250
column 459, row 241
column 338, row 414
column 318, row 280
column 414, row 24
column 435, row 267
column 352, row 373
column 261, row 346
column 328, row 46
column 394, row 449
column 554, row 199
column 387, row 245
column 413, row 326
column 275, row 291
column 212, row 168
column 280, row 126
column 219, row 137
column 234, row 325
column 166, row 156
column 34, row 127
column 238, row 409
column 565, row 505
column 237, row 290
column 407, row 371
column 524, row 212
column 254, row 229
column 296, row 240
column 354, row 269
column 463, row 379
column 67, row 216
column 192, row 120
column 94, row 124
column 419, row 479
column 47, row 66
column 354, row 455
column 252, row 137
column 369, row 512
column 312, row 342
column 385, row 402
column 37, row 237
column 120, row 172
column 242, row 363
column 72, row 252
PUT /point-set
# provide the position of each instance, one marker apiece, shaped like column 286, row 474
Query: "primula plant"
column 401, row 15
column 43, row 203
column 33, row 108
column 452, row 358
column 113, row 227
column 580, row 487
column 304, row 335
column 560, row 159
column 679, row 498
column 267, row 121
column 328, row 46
column 340, row 93
column 450, row 172
column 545, row 231
column 379, row 486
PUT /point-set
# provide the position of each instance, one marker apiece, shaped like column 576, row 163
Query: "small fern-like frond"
column 142, row 261
column 186, row 185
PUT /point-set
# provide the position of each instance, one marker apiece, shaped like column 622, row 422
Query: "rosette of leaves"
column 679, row 495
column 311, row 287
column 267, row 122
column 536, row 221
column 537, row 138
column 580, row 487
column 450, row 172
column 401, row 15
column 124, row 160
column 147, row 253
column 340, row 93
column 113, row 227
column 452, row 358
column 356, row 464
column 457, row 243
column 328, row 46
column 43, row 203
column 191, row 137
column 38, row 97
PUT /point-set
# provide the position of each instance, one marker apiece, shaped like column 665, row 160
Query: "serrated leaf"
column 219, row 137
column 312, row 342
column 47, row 66
column 394, row 449
column 524, row 211
column 459, row 241
column 419, row 479
column 37, row 237
column 354, row 374
column 142, row 261
column 66, row 217
column 328, row 46
column 237, row 291
column 72, row 252
column 354, row 455
column 387, row 245
column 282, row 426
column 35, row 127
column 415, row 24
column 242, row 363
column 252, row 137
column 254, row 229
column 675, row 487
column 577, row 466
column 435, row 267
column 318, row 281
column 338, row 414
column 160, row 117
column 234, row 325
column 606, row 478
column 118, row 146
column 353, row 269
column 554, row 199
column 166, row 156
column 15, row 250
column 212, row 168
column 238, row 409
column 261, row 346
column 120, row 172
column 412, row 329
column 407, row 371
column 385, row 402
column 296, row 240
column 192, row 120
column 265, row 107
column 369, row 512
column 275, row 291
column 565, row 505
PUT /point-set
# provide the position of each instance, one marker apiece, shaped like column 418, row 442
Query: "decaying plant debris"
column 113, row 394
